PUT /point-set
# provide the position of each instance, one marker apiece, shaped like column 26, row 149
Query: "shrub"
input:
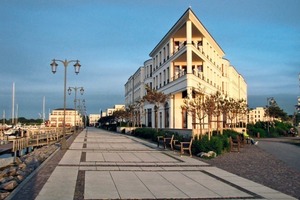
column 200, row 145
column 230, row 133
column 217, row 144
column 146, row 133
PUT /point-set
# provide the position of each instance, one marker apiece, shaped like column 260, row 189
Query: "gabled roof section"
column 189, row 15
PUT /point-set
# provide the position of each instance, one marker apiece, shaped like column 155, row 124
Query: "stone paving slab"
column 104, row 165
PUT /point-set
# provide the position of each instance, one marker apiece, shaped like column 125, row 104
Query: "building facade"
column 93, row 119
column 256, row 115
column 56, row 118
column 186, row 57
column 110, row 111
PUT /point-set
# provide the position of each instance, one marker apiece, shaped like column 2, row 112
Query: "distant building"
column 256, row 115
column 56, row 118
column 185, row 57
column 93, row 118
column 110, row 111
column 259, row 115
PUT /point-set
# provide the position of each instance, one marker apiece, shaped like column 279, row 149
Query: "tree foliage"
column 274, row 111
column 156, row 98
column 203, row 105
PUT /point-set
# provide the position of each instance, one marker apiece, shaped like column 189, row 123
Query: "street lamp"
column 75, row 100
column 82, row 110
column 53, row 68
column 270, row 101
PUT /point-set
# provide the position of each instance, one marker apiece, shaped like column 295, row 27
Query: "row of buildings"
column 186, row 56
column 75, row 118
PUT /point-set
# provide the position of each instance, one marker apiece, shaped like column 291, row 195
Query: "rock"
column 32, row 162
column 22, row 166
column 4, row 173
column 18, row 161
column 4, row 194
column 11, row 176
column 9, row 185
column 6, row 161
column 20, row 178
column 12, row 171
column 210, row 154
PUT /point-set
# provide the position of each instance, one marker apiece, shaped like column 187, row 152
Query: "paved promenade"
column 105, row 165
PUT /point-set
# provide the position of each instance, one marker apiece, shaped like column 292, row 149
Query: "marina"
column 19, row 140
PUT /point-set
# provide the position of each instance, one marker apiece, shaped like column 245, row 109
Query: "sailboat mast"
column 44, row 109
column 13, row 104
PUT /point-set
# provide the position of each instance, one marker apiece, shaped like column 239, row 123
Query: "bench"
column 234, row 143
column 184, row 145
column 166, row 140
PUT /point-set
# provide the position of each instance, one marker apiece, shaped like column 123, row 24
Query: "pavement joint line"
column 112, row 151
column 83, row 157
column 254, row 195
column 79, row 187
column 126, row 165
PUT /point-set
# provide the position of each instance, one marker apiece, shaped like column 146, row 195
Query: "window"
column 149, row 117
column 184, row 94
column 160, row 119
column 200, row 68
column 167, row 122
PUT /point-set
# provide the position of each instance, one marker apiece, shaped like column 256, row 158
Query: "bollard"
column 258, row 135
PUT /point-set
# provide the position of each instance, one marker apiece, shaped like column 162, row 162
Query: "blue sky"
column 112, row 38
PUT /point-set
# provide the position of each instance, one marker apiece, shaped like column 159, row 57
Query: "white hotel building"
column 256, row 115
column 56, row 118
column 186, row 56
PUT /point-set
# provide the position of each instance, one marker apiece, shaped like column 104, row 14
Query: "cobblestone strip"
column 79, row 188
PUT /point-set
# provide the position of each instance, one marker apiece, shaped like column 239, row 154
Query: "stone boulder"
column 4, row 194
column 10, row 185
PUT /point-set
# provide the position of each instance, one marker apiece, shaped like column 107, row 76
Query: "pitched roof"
column 188, row 14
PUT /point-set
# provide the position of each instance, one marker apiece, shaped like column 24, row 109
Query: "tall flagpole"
column 3, row 117
column 17, row 113
column 13, row 104
column 44, row 109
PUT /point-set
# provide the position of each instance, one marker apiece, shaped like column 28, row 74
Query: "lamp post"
column 84, row 112
column 75, row 100
column 53, row 68
column 270, row 101
column 82, row 109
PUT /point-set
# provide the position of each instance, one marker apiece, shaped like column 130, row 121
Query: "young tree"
column 218, row 109
column 224, row 108
column 138, row 106
column 120, row 115
column 130, row 114
column 231, row 104
column 194, row 106
column 156, row 98
column 236, row 108
column 210, row 108
column 243, row 110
